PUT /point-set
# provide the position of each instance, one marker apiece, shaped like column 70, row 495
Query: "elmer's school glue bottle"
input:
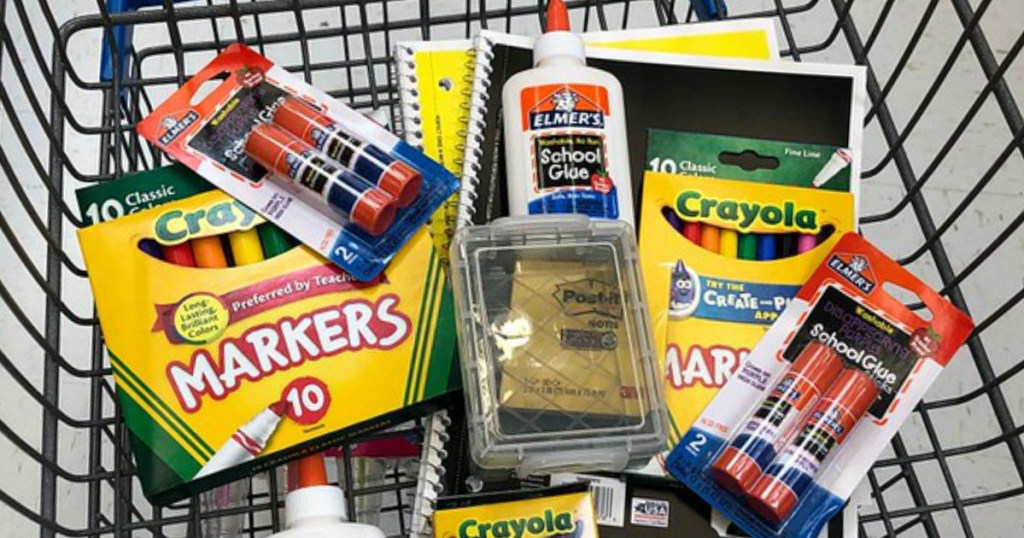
column 314, row 509
column 565, row 131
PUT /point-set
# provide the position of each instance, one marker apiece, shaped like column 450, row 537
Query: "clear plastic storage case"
column 556, row 345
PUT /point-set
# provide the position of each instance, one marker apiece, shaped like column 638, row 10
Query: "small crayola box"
column 723, row 251
column 222, row 372
column 557, row 512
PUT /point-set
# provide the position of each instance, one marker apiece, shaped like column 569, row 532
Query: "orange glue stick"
column 318, row 129
column 778, row 491
column 344, row 191
column 756, row 445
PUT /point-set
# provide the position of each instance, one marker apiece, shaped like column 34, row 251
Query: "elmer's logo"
column 855, row 269
column 547, row 524
column 560, row 106
column 174, row 127
column 177, row 226
column 743, row 214
column 589, row 296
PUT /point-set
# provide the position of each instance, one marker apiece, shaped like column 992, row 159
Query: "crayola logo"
column 744, row 214
column 177, row 226
column 548, row 524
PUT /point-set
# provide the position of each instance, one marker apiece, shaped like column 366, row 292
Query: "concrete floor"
column 986, row 290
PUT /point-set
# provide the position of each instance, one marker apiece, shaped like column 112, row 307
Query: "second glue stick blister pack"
column 326, row 174
column 783, row 445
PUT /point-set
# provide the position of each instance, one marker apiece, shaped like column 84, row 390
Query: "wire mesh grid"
column 944, row 160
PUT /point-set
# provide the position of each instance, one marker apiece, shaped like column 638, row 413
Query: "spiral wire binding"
column 430, row 483
column 475, row 126
column 466, row 107
column 408, row 96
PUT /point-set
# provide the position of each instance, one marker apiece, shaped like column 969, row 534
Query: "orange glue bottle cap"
column 557, row 17
column 737, row 470
column 307, row 472
column 558, row 43
column 311, row 499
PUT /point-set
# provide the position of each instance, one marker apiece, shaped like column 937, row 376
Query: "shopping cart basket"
column 942, row 191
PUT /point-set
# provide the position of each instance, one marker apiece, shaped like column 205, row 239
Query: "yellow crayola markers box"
column 221, row 372
column 562, row 511
column 711, row 300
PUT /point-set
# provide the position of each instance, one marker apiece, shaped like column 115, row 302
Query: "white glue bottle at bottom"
column 565, row 131
column 314, row 509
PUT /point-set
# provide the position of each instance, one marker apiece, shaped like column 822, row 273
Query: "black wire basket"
column 943, row 184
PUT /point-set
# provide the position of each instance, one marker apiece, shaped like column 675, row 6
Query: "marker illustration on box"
column 247, row 442
column 836, row 163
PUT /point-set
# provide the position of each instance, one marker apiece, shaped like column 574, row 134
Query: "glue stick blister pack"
column 327, row 175
column 782, row 446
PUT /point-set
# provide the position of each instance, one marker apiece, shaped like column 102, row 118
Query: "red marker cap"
column 279, row 407
column 374, row 211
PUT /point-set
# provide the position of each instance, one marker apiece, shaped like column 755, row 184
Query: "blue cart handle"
column 709, row 10
column 122, row 37
column 706, row 10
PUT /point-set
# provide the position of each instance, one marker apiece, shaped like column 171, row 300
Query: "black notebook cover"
column 728, row 98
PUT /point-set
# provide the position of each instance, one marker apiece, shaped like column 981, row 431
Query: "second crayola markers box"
column 713, row 290
column 222, row 372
